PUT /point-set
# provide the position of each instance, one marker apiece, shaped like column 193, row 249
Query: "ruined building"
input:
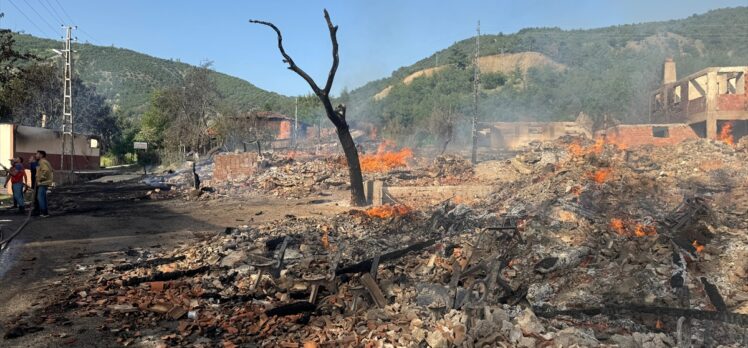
column 712, row 101
column 24, row 141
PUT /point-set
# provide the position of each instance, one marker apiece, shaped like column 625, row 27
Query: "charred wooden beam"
column 376, row 293
column 291, row 309
column 678, row 279
column 365, row 266
column 165, row 276
column 714, row 297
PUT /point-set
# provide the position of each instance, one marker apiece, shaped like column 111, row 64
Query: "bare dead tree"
column 337, row 114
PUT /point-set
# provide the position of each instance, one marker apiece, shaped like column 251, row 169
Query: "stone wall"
column 234, row 166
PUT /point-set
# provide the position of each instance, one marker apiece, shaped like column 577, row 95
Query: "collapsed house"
column 713, row 101
column 575, row 244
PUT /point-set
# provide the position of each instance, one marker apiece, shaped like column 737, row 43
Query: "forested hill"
column 126, row 78
column 598, row 71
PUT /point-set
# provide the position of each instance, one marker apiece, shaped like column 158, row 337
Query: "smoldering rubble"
column 579, row 243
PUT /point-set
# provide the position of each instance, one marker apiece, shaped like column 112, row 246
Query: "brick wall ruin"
column 234, row 166
column 637, row 135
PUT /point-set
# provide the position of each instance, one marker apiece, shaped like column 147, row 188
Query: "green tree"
column 179, row 117
column 458, row 58
column 493, row 80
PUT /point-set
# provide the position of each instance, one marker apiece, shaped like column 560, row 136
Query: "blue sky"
column 376, row 37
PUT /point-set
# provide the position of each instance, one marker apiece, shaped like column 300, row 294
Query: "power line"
column 29, row 19
column 83, row 31
column 52, row 12
column 40, row 16
column 65, row 12
column 88, row 35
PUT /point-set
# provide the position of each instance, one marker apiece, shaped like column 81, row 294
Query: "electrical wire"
column 53, row 13
column 40, row 16
column 29, row 19
column 83, row 31
column 65, row 12
column 93, row 40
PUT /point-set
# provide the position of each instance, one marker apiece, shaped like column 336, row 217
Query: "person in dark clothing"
column 33, row 164
column 32, row 168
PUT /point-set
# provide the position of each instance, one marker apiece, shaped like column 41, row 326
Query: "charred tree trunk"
column 354, row 167
column 336, row 115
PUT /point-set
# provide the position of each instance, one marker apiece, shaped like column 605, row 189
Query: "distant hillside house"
column 279, row 126
column 24, row 141
column 713, row 101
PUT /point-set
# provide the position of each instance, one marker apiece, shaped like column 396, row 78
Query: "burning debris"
column 388, row 211
column 725, row 134
column 386, row 158
column 652, row 254
column 601, row 175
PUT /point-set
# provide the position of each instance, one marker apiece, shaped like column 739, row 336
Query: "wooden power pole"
column 476, row 86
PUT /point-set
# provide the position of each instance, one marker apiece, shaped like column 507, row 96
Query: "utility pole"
column 476, row 86
column 68, row 136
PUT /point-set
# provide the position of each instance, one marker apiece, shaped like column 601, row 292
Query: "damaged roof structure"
column 713, row 101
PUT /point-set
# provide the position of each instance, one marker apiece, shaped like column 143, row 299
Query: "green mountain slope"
column 126, row 78
column 607, row 71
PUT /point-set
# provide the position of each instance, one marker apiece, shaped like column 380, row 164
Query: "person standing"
column 44, row 179
column 9, row 175
column 32, row 168
column 18, row 184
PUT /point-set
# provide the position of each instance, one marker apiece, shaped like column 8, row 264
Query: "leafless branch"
column 336, row 116
column 335, row 58
column 287, row 59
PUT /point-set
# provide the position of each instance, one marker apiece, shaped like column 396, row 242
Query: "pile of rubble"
column 295, row 176
column 587, row 245
column 442, row 170
column 289, row 177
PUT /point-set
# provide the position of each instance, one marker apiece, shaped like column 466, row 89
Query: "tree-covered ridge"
column 127, row 78
column 610, row 71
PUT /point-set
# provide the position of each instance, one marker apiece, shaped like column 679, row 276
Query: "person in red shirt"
column 19, row 183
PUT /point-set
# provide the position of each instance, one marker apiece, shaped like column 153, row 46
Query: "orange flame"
column 598, row 147
column 659, row 324
column 386, row 211
column 601, row 175
column 617, row 225
column 645, row 230
column 640, row 230
column 699, row 247
column 577, row 150
column 726, row 134
column 385, row 160
column 284, row 130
